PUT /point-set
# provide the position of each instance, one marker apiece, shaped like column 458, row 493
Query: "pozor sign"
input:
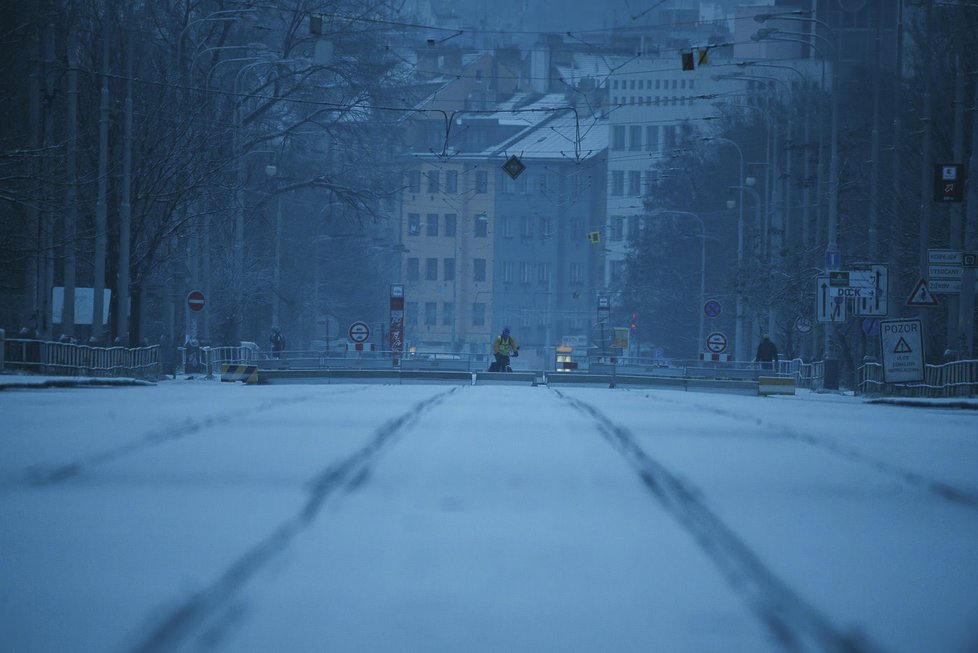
column 902, row 349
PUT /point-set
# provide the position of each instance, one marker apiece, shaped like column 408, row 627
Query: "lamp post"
column 739, row 327
column 271, row 172
column 832, row 229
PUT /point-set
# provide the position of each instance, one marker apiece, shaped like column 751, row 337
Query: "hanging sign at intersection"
column 902, row 349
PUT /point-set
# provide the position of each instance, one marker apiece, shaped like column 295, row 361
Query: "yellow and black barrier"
column 246, row 373
column 775, row 385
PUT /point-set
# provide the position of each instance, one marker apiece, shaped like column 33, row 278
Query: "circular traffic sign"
column 359, row 332
column 716, row 342
column 712, row 308
column 803, row 324
column 195, row 301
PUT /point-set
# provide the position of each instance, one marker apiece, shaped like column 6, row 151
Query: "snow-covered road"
column 205, row 516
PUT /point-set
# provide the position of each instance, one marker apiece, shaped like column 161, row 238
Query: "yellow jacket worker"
column 503, row 347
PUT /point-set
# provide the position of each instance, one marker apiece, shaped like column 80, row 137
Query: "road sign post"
column 902, row 351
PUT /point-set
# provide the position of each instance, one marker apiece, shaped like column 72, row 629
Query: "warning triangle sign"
column 922, row 296
column 902, row 347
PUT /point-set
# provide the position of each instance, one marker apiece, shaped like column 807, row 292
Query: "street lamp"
column 739, row 352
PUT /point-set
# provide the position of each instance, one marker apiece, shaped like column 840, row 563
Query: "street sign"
column 594, row 236
column 945, row 286
column 716, row 342
column 969, row 259
column 195, row 301
column 803, row 324
column 514, row 167
column 949, row 182
column 359, row 332
column 829, row 307
column 902, row 351
column 944, row 256
column 839, row 279
column 876, row 304
column 871, row 326
column 833, row 258
column 922, row 296
column 712, row 309
column 604, row 308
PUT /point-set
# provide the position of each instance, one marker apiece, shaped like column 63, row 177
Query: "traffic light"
column 633, row 322
column 689, row 63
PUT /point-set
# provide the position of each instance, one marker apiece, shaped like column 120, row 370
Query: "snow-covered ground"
column 206, row 516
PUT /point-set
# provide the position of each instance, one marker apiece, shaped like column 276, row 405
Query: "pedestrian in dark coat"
column 767, row 353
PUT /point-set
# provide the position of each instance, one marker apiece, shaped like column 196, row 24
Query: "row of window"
column 619, row 223
column 653, row 136
column 433, row 181
column 634, row 178
column 652, row 100
column 411, row 316
column 527, row 270
column 525, row 184
column 660, row 84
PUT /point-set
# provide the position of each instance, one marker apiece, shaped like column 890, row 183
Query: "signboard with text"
column 902, row 350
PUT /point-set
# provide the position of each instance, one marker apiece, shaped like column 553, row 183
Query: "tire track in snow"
column 211, row 610
column 797, row 625
column 42, row 476
column 939, row 488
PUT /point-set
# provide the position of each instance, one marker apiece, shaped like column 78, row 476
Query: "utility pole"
column 71, row 197
column 101, row 208
column 957, row 211
column 896, row 177
column 46, row 263
column 926, row 151
column 125, row 207
column 966, row 318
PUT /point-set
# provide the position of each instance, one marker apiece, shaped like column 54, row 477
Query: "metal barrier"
column 807, row 375
column 69, row 359
column 955, row 379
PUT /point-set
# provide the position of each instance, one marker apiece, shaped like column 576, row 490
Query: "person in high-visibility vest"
column 502, row 348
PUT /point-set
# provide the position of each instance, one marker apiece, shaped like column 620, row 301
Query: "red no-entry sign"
column 195, row 300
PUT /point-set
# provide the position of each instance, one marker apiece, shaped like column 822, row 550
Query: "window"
column 632, row 85
column 617, row 227
column 634, row 182
column 508, row 229
column 411, row 313
column 448, row 268
column 478, row 314
column 634, row 138
column 617, row 271
column 652, row 138
column 414, row 224
column 431, row 225
column 451, row 222
column 413, row 273
column 618, row 137
column 614, row 84
column 481, row 182
column 507, row 272
column 431, row 269
column 617, row 182
column 669, row 136
column 414, row 181
column 675, row 84
column 430, row 313
column 543, row 273
column 434, row 181
column 509, row 185
column 682, row 83
column 479, row 269
column 546, row 227
column 524, row 272
column 658, row 84
column 651, row 180
column 481, row 228
column 448, row 314
column 576, row 273
column 526, row 228
column 691, row 83
column 451, row 181
column 633, row 227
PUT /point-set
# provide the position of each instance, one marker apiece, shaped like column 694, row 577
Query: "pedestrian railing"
column 954, row 379
column 69, row 359
column 807, row 375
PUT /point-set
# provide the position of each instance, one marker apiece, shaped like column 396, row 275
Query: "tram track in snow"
column 39, row 476
column 798, row 626
column 207, row 613
column 940, row 489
